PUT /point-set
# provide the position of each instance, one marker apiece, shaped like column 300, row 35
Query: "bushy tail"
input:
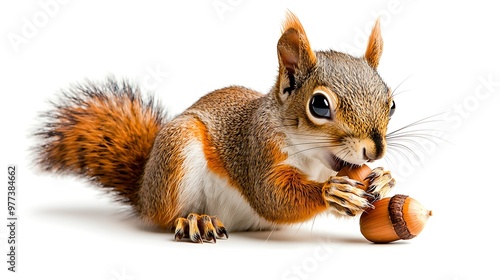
column 103, row 133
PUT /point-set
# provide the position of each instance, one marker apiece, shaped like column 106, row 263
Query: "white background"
column 445, row 56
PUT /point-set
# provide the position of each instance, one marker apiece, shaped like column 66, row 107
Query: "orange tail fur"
column 103, row 133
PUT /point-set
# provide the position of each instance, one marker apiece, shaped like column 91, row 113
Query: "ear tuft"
column 295, row 55
column 375, row 46
column 292, row 23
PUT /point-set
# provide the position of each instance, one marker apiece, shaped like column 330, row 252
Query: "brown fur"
column 292, row 197
column 163, row 174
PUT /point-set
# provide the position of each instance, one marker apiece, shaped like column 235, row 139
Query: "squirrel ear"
column 294, row 53
column 375, row 45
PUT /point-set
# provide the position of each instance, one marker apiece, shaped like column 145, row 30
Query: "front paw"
column 380, row 183
column 344, row 196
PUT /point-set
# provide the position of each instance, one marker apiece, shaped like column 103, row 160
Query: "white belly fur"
column 204, row 192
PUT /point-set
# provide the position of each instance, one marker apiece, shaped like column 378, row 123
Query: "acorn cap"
column 394, row 218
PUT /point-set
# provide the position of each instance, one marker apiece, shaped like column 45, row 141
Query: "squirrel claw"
column 381, row 182
column 370, row 195
column 344, row 197
column 199, row 228
column 219, row 227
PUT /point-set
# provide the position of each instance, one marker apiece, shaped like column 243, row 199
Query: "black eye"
column 393, row 109
column 320, row 107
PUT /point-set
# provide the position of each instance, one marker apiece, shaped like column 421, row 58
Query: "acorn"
column 393, row 218
column 358, row 173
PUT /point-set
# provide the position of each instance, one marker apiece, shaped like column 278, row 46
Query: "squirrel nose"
column 373, row 148
column 369, row 156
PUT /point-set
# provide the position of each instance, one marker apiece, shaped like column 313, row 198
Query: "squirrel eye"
column 320, row 107
column 393, row 108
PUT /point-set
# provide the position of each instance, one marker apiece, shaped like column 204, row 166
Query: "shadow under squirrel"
column 236, row 159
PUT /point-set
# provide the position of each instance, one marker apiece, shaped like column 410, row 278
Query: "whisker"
column 298, row 228
column 399, row 92
column 419, row 122
column 401, row 147
column 311, row 136
column 408, row 143
column 410, row 136
column 388, row 156
column 343, row 153
column 312, row 224
column 271, row 233
column 308, row 143
column 312, row 148
column 397, row 87
column 429, row 137
column 411, row 141
column 407, row 137
column 417, row 130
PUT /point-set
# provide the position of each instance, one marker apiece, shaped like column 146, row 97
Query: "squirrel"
column 237, row 159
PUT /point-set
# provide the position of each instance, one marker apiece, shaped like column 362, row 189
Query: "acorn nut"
column 357, row 173
column 393, row 218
